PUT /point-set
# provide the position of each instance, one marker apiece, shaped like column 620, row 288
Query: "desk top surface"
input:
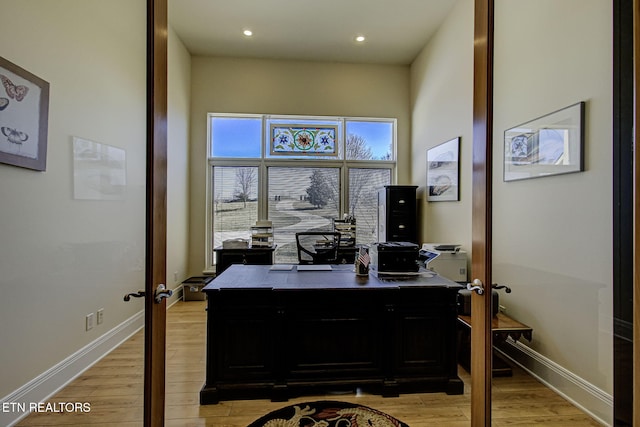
column 283, row 277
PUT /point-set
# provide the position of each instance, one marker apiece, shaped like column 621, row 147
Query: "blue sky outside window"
column 241, row 137
column 378, row 136
column 235, row 137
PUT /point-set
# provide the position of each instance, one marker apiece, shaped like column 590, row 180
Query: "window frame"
column 265, row 162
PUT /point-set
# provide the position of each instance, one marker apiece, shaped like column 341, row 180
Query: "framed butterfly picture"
column 24, row 113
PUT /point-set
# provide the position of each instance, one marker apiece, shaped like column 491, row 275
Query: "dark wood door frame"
column 623, row 212
column 481, row 340
column 636, row 212
column 156, row 213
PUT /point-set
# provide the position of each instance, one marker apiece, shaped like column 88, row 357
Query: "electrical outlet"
column 175, row 277
column 99, row 316
column 89, row 321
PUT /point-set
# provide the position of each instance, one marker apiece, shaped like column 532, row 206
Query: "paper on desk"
column 314, row 267
column 282, row 267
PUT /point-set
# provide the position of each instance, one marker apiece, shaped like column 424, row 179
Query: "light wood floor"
column 114, row 388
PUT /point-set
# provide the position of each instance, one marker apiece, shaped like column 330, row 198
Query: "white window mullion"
column 263, row 191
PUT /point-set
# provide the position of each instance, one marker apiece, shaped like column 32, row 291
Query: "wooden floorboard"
column 114, row 388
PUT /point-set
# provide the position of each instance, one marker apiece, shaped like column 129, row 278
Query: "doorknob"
column 161, row 293
column 476, row 286
column 496, row 286
column 138, row 294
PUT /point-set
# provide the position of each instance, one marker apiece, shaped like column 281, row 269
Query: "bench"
column 502, row 327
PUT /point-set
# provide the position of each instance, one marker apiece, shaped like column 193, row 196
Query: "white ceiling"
column 314, row 30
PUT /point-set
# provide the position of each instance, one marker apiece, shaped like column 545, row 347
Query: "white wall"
column 228, row 85
column 552, row 236
column 63, row 258
column 178, row 104
column 441, row 109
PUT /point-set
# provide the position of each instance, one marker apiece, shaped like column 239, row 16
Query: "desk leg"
column 209, row 395
column 390, row 388
column 455, row 386
column 464, row 347
column 280, row 393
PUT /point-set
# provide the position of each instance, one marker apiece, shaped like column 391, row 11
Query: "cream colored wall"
column 552, row 236
column 441, row 109
column 62, row 258
column 179, row 104
column 228, row 85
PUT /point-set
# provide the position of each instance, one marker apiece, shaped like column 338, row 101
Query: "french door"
column 636, row 211
column 482, row 201
column 481, row 224
column 156, row 233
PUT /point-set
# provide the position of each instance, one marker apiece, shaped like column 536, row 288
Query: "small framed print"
column 24, row 111
column 549, row 145
column 443, row 171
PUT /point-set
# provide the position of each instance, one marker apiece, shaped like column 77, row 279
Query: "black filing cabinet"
column 397, row 214
column 250, row 255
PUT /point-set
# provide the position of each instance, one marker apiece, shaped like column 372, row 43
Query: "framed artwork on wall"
column 24, row 111
column 99, row 171
column 549, row 145
column 443, row 171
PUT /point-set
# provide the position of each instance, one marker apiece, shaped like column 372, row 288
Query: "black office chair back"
column 318, row 247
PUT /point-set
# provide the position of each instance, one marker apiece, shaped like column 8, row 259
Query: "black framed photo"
column 24, row 112
column 549, row 145
column 443, row 171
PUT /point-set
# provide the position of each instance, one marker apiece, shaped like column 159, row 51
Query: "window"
column 363, row 200
column 237, row 137
column 369, row 140
column 235, row 202
column 301, row 199
column 295, row 188
column 298, row 125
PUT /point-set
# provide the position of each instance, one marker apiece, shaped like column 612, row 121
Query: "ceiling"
column 312, row 30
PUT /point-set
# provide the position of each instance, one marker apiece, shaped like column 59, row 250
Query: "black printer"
column 394, row 257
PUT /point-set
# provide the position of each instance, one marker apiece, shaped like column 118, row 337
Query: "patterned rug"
column 327, row 414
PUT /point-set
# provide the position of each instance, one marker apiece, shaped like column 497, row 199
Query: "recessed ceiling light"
column 360, row 39
column 247, row 33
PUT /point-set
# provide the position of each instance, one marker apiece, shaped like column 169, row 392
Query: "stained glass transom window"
column 300, row 140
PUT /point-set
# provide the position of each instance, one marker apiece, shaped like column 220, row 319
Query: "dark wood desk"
column 502, row 327
column 260, row 255
column 279, row 333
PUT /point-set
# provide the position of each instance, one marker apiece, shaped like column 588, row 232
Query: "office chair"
column 318, row 247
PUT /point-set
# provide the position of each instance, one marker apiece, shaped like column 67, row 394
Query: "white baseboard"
column 579, row 392
column 177, row 296
column 53, row 380
column 56, row 378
